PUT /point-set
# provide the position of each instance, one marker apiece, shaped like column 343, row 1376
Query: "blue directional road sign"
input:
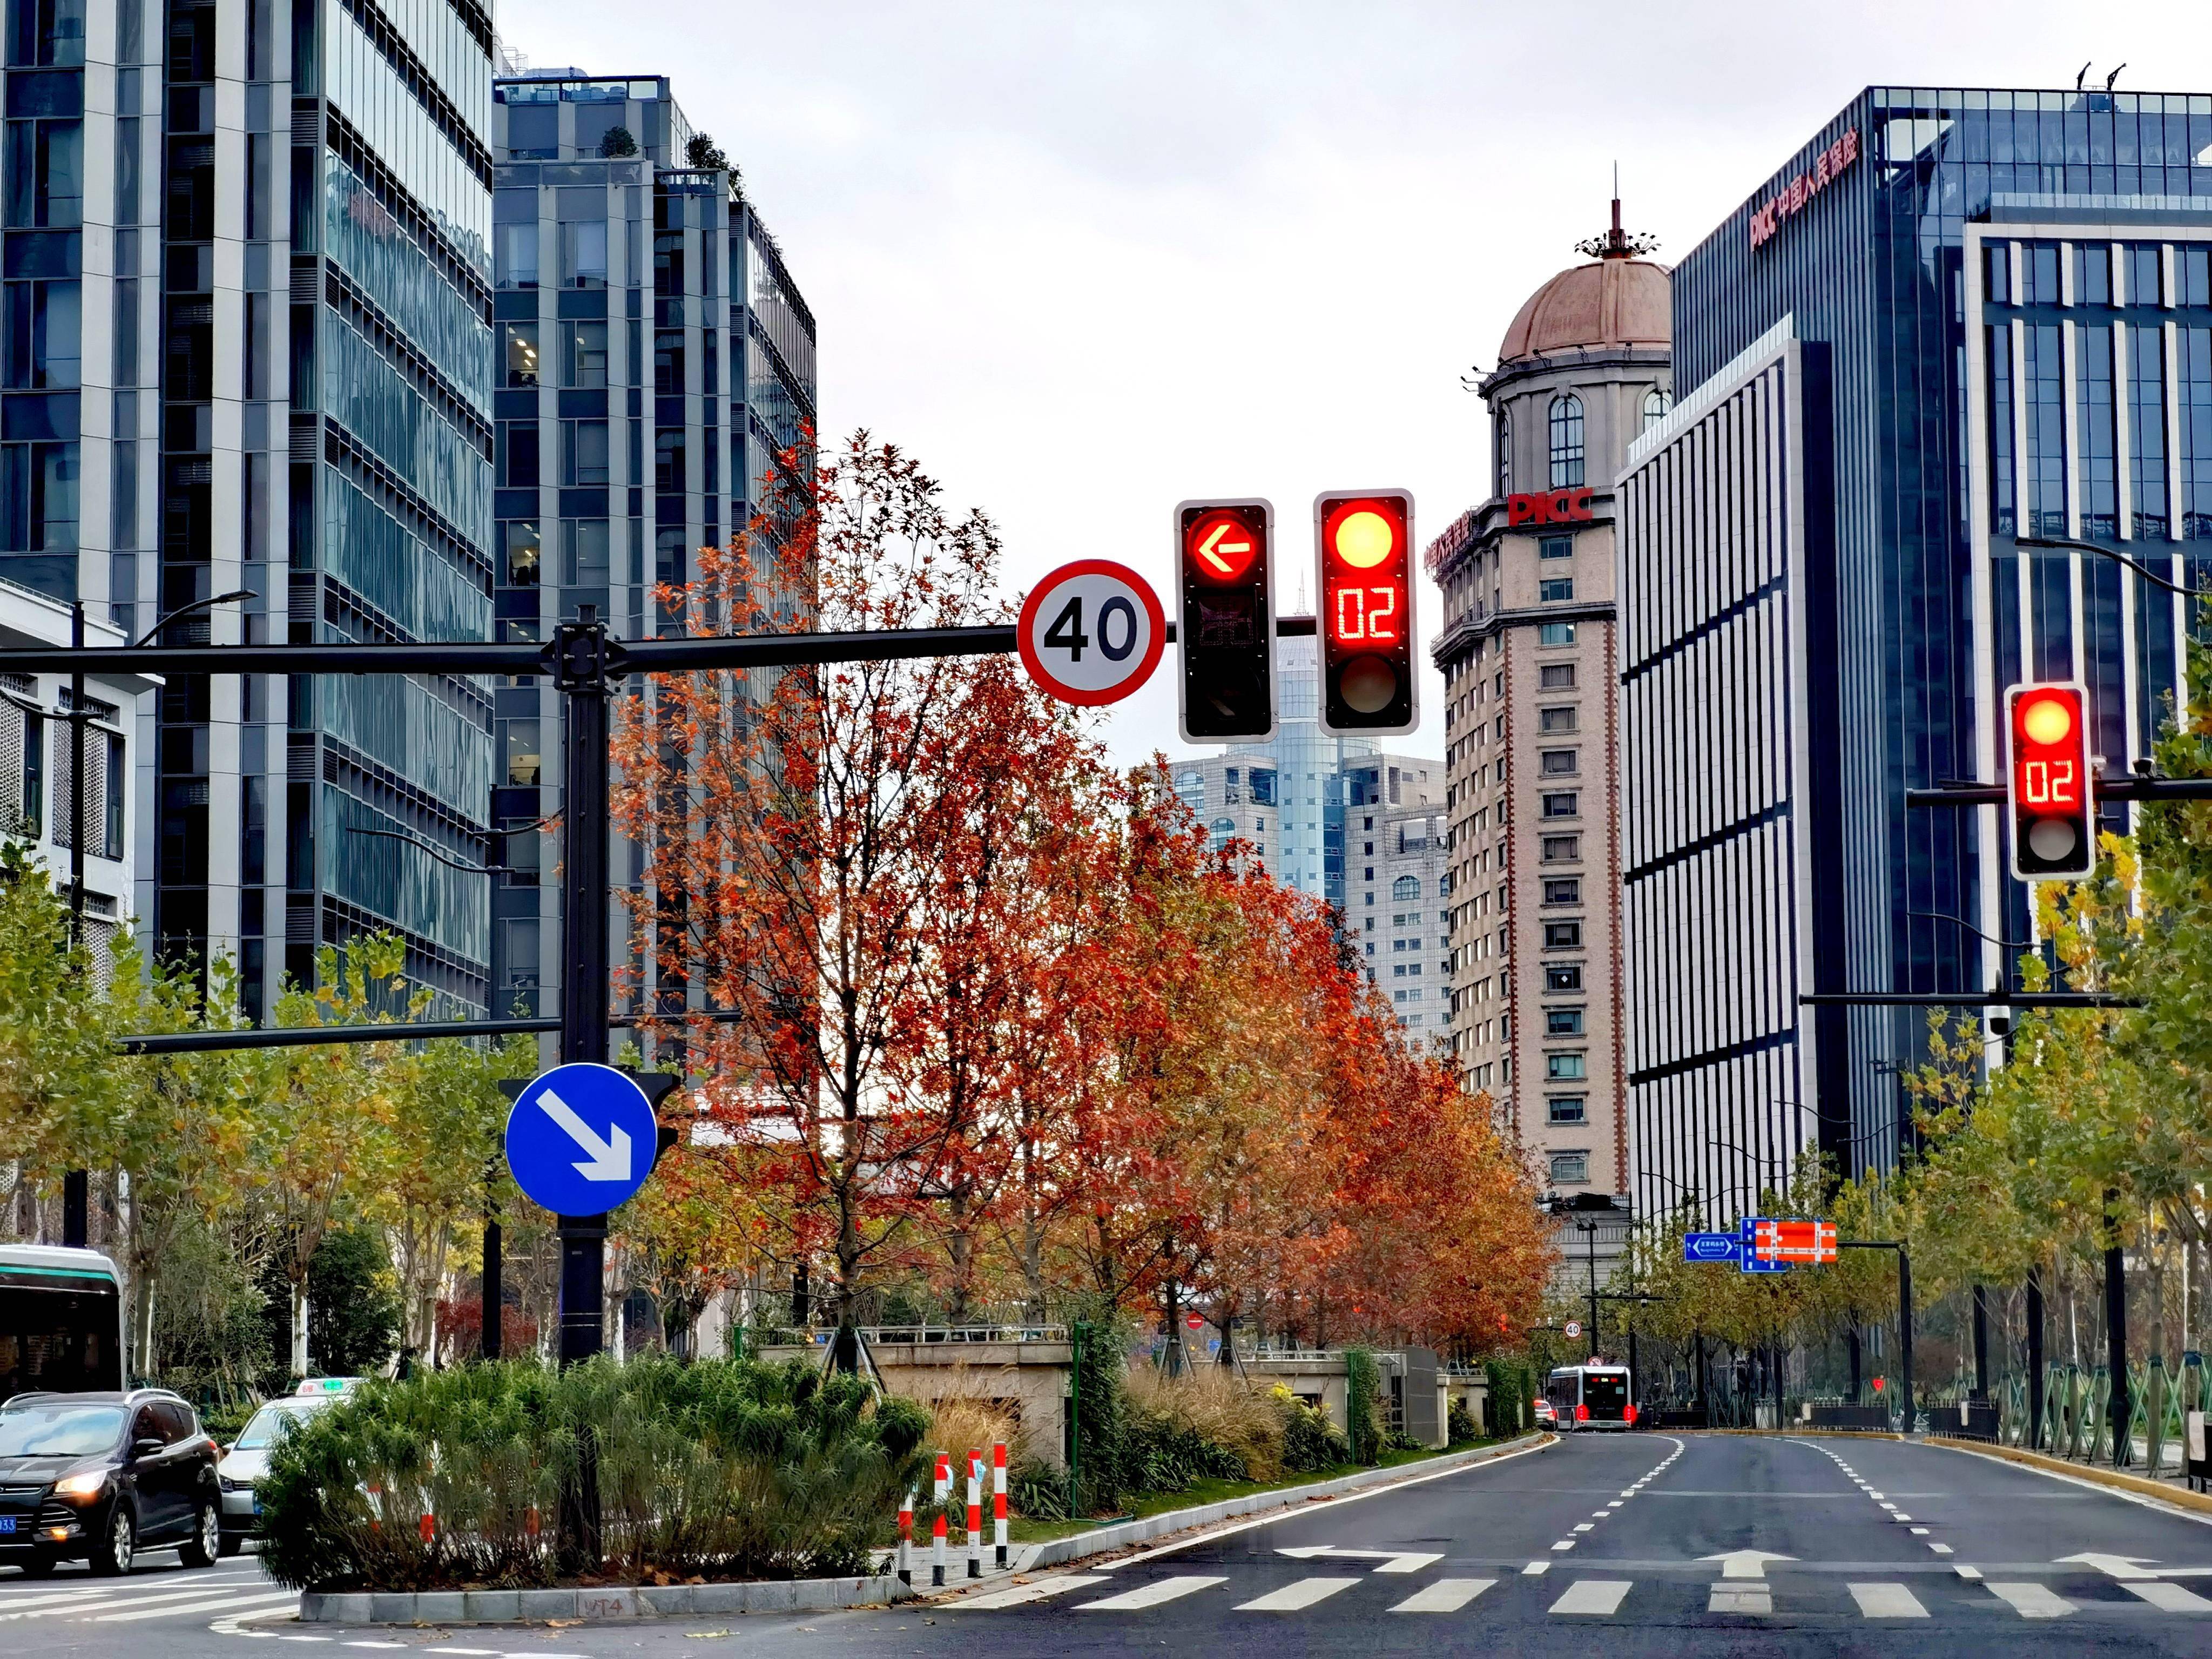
column 581, row 1138
column 1720, row 1247
column 1746, row 1258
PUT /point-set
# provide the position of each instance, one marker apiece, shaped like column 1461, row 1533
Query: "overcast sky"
column 1085, row 261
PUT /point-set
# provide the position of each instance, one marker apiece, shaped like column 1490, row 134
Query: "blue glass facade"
column 2000, row 284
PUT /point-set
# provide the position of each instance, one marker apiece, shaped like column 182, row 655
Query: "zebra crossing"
column 128, row 1601
column 1965, row 1593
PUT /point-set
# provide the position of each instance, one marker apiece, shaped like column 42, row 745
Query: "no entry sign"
column 1092, row 632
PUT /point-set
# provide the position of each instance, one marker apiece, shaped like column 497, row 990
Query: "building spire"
column 1617, row 244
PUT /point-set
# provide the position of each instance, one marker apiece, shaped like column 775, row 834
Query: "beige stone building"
column 1531, row 678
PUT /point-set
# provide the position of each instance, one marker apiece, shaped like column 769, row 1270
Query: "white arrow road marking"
column 1035, row 1592
column 1392, row 1561
column 2032, row 1601
column 1150, row 1596
column 605, row 1160
column 2118, row 1566
column 1746, row 1564
column 2172, row 1598
column 1292, row 1597
column 1594, row 1598
column 1877, row 1601
column 1447, row 1594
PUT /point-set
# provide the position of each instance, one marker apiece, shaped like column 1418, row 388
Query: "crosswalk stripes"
column 1293, row 1597
column 2033, row 1600
column 1151, row 1595
column 1445, row 1596
column 2172, row 1598
column 1887, row 1601
column 218, row 1604
column 120, row 1594
column 1035, row 1591
column 1595, row 1598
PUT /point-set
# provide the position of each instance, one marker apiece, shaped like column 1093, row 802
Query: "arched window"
column 1224, row 831
column 1566, row 441
column 1405, row 887
column 1657, row 402
column 1502, row 452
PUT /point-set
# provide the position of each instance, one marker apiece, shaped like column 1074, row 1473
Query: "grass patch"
column 1022, row 1530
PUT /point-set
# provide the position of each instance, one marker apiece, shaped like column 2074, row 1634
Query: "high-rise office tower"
column 655, row 360
column 248, row 347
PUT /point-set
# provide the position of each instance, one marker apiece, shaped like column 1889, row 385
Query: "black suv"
column 102, row 1476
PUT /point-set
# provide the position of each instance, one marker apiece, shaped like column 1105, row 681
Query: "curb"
column 598, row 1603
column 1105, row 1540
column 2139, row 1485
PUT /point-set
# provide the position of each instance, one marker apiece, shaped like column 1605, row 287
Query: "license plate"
column 7, row 1523
column 257, row 1506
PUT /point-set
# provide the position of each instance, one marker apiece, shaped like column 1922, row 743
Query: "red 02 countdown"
column 1092, row 632
column 1364, row 571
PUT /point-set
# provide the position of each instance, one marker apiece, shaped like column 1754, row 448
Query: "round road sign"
column 1092, row 632
column 1574, row 1328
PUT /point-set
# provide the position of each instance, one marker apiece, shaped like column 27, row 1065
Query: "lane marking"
column 1940, row 1549
column 1295, row 1597
column 2172, row 1598
column 1565, row 1544
column 1446, row 1594
column 376, row 1645
column 1753, row 1599
column 1920, row 1532
column 107, row 1598
column 1583, row 1526
column 222, row 1603
column 2032, row 1601
column 1614, row 1504
column 1971, row 1575
column 1535, row 1569
column 1593, row 1598
column 1875, row 1601
column 1021, row 1593
column 1151, row 1595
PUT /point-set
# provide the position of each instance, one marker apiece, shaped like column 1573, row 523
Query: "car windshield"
column 58, row 1430
column 275, row 1420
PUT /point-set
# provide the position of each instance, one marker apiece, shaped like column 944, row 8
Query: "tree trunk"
column 300, row 1323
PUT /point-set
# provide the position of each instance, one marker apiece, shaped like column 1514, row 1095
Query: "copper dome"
column 1612, row 301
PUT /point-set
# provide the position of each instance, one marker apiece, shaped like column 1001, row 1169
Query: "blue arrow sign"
column 581, row 1138
column 1746, row 1258
column 1709, row 1247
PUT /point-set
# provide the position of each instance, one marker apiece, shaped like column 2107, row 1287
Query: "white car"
column 246, row 1460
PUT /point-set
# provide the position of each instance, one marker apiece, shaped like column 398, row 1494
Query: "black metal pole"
column 494, row 1290
column 77, row 1186
column 2035, row 1357
column 1705, row 1404
column 1590, row 1228
column 2116, row 1347
column 1904, row 1331
column 1981, row 1344
column 1851, row 1346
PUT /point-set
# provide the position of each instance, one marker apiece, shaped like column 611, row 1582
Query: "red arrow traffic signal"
column 1226, row 620
column 1363, row 555
column 2049, row 787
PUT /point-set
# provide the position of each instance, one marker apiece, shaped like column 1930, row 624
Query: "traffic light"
column 1363, row 554
column 2054, row 807
column 1226, row 621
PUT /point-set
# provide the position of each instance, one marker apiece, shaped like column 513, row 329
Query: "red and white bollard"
column 975, row 1514
column 944, row 1486
column 937, row 1554
column 998, row 1503
column 906, row 1540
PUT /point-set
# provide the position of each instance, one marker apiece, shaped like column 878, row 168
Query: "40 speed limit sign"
column 1092, row 632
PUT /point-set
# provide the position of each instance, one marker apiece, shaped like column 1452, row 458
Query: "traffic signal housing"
column 1364, row 573
column 1225, row 620
column 2048, row 788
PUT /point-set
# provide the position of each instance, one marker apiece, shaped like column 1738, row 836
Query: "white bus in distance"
column 1591, row 1397
column 61, row 1321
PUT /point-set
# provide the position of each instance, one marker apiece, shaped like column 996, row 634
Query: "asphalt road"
column 1626, row 1544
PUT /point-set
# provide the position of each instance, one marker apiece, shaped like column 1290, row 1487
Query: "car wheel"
column 205, row 1544
column 111, row 1555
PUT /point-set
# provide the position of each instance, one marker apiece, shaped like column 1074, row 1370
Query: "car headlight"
column 81, row 1485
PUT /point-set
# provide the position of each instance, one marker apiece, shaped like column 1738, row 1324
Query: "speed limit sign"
column 1092, row 632
column 1574, row 1328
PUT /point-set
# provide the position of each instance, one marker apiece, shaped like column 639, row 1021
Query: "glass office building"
column 249, row 347
column 1955, row 319
column 653, row 360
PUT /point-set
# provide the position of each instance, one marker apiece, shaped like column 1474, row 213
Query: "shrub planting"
column 717, row 1469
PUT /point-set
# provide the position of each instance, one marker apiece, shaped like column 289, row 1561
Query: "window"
column 1556, row 763
column 1996, row 272
column 2146, row 268
column 668, row 362
column 42, row 331
column 1263, row 788
column 584, row 255
column 47, row 34
column 32, row 811
column 1400, row 945
column 1570, row 1169
column 521, row 353
column 1405, row 887
column 1562, row 849
column 1556, row 677
column 1502, row 454
column 1556, row 634
column 111, row 799
column 523, row 756
column 1657, row 402
column 2093, row 274
column 1565, row 1067
column 524, row 553
column 1563, row 977
column 1563, row 935
column 1555, row 547
column 1566, row 441
column 1553, row 589
column 2040, row 273
column 1563, row 1021
column 1224, row 829
column 1559, row 806
column 584, row 353
column 668, row 474
column 1568, row 890
column 1566, row 1109
column 516, row 255
column 585, row 542
column 583, row 453
column 518, row 448
column 45, row 173
column 2192, row 271
column 1556, row 720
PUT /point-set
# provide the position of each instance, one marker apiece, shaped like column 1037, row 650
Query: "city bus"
column 1591, row 1397
column 61, row 1321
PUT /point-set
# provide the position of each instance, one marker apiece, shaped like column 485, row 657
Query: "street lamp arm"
column 212, row 600
column 425, row 847
column 2136, row 565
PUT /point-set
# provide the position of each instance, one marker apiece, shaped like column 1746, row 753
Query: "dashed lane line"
column 1020, row 1594
column 1151, row 1595
column 1887, row 1601
column 2032, row 1601
column 1593, row 1598
column 1298, row 1596
column 1446, row 1596
column 2171, row 1597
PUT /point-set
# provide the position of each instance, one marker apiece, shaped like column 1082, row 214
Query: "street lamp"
column 2067, row 542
